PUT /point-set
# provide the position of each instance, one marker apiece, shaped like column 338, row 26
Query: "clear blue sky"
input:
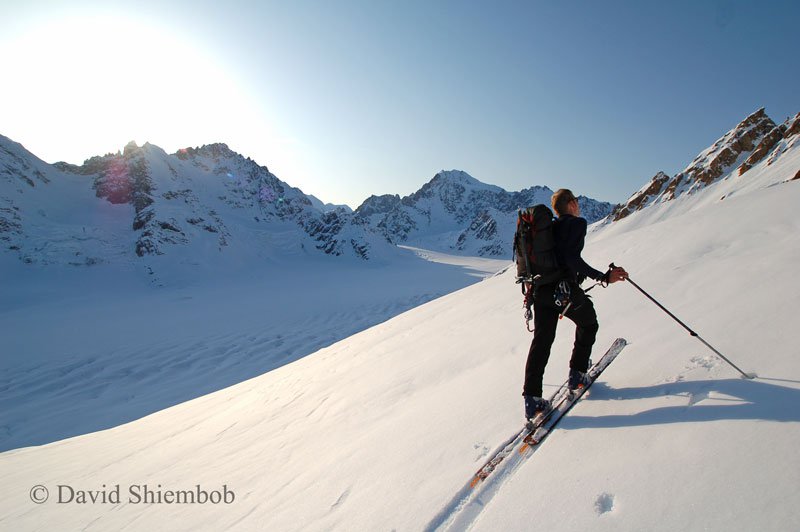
column 350, row 98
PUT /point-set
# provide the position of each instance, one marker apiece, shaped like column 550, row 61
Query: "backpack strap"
column 524, row 221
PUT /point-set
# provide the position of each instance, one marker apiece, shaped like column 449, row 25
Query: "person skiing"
column 564, row 297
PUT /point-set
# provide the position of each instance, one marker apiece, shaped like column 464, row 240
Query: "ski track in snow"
column 468, row 503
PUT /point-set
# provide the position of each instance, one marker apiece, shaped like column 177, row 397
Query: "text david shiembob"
column 133, row 494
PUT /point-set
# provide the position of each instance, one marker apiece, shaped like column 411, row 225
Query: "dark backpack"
column 534, row 245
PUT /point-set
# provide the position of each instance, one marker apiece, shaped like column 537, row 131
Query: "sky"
column 348, row 98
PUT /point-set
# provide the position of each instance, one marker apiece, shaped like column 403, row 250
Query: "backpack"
column 534, row 245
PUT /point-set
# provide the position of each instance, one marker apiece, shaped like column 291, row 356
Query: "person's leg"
column 585, row 319
column 545, row 320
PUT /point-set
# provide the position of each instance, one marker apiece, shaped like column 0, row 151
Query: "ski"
column 541, row 429
column 538, row 428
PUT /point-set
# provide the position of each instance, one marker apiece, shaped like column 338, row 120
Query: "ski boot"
column 578, row 379
column 535, row 406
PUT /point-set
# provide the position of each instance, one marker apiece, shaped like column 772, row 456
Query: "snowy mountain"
column 197, row 206
column 383, row 429
column 457, row 213
column 755, row 140
column 212, row 206
column 326, row 207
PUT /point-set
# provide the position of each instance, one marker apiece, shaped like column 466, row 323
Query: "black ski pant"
column 545, row 321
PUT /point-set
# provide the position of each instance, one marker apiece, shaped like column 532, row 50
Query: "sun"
column 82, row 82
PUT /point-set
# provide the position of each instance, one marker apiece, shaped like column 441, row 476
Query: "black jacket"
column 569, row 233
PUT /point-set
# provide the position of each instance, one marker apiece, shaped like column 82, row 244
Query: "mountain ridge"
column 198, row 203
column 456, row 212
column 754, row 140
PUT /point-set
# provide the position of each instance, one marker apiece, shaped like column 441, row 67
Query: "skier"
column 551, row 299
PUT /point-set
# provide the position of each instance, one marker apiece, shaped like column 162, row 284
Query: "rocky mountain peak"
column 445, row 177
column 131, row 149
column 458, row 180
column 713, row 162
column 454, row 212
column 452, row 188
column 740, row 148
column 217, row 150
column 376, row 205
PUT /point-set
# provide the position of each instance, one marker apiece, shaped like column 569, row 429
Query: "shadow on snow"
column 748, row 399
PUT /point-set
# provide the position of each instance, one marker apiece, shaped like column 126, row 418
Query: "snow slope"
column 120, row 348
column 379, row 431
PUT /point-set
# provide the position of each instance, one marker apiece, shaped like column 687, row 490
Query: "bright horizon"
column 348, row 99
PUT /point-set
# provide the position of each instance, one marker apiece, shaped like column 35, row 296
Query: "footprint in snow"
column 706, row 362
column 604, row 503
column 482, row 450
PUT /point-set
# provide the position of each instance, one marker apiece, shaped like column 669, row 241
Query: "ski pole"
column 691, row 332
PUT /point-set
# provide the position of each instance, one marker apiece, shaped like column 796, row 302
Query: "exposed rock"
column 378, row 205
column 740, row 139
column 483, row 227
column 397, row 225
column 643, row 197
column 361, row 250
column 18, row 164
column 793, row 127
column 10, row 223
column 114, row 183
column 710, row 165
column 764, row 147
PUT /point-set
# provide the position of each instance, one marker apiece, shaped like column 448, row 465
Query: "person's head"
column 565, row 202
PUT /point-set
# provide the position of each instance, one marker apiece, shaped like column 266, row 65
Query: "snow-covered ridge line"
column 210, row 204
column 756, row 140
column 144, row 207
column 456, row 212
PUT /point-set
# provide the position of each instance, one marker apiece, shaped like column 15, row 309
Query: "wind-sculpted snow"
column 122, row 351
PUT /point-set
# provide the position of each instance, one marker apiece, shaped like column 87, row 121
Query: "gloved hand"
column 615, row 274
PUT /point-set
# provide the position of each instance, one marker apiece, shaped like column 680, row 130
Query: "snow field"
column 377, row 431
